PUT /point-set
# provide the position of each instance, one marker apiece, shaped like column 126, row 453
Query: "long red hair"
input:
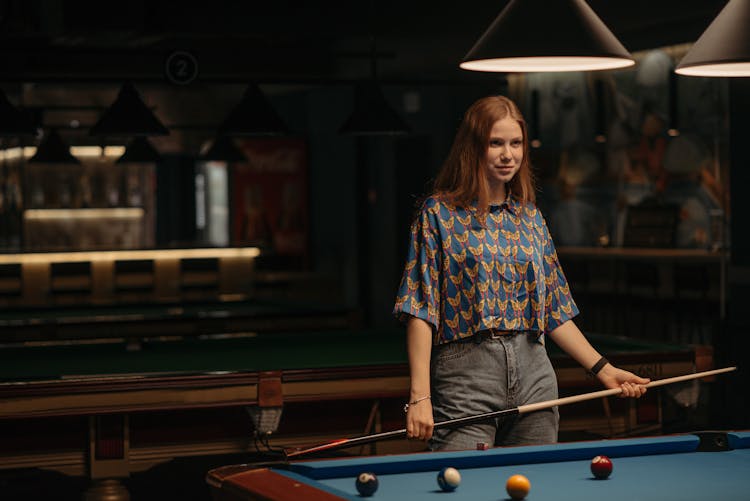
column 461, row 179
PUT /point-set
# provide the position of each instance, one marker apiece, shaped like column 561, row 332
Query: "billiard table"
column 107, row 409
column 685, row 467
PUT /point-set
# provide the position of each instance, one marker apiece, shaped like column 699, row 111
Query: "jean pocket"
column 452, row 351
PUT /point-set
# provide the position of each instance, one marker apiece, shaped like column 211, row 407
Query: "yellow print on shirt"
column 434, row 274
column 458, row 278
column 431, row 252
column 472, row 271
column 412, row 285
column 528, row 250
column 488, row 266
column 452, row 322
column 477, row 251
column 566, row 308
column 505, row 250
column 426, row 290
column 460, row 257
column 447, row 243
column 512, row 236
column 410, row 265
column 464, row 220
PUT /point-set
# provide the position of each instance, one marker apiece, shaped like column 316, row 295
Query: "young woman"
column 481, row 290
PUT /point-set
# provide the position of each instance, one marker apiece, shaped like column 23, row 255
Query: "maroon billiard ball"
column 601, row 467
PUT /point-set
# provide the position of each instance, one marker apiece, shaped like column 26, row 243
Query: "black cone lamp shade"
column 372, row 115
column 547, row 35
column 223, row 149
column 253, row 116
column 53, row 150
column 13, row 122
column 128, row 116
column 139, row 150
column 723, row 50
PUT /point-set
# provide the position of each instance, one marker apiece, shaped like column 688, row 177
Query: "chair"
column 70, row 282
column 11, row 285
column 134, row 280
column 199, row 277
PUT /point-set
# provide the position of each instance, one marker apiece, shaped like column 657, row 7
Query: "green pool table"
column 678, row 467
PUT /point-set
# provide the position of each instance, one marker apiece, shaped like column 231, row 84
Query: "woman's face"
column 504, row 154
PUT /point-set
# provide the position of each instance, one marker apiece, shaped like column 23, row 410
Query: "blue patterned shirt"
column 463, row 277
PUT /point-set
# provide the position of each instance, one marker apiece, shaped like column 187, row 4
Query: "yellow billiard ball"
column 517, row 486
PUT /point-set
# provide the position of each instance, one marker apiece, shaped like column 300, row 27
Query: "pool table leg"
column 108, row 457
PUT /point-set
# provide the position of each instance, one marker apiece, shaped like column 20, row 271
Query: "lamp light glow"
column 723, row 50
column 544, row 36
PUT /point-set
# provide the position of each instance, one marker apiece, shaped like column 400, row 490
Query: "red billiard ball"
column 601, row 467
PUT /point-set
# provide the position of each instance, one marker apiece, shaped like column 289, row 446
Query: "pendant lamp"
column 53, row 150
column 723, row 50
column 253, row 116
column 139, row 150
column 372, row 115
column 547, row 35
column 223, row 149
column 128, row 116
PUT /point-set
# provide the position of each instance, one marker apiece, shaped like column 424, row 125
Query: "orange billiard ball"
column 601, row 467
column 518, row 486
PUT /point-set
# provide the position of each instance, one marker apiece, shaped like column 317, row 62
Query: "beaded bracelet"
column 406, row 406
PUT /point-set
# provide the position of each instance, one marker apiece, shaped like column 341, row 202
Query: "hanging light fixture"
column 673, row 125
column 535, row 139
column 543, row 35
column 53, row 150
column 372, row 115
column 13, row 122
column 600, row 133
column 253, row 116
column 723, row 50
column 139, row 150
column 223, row 149
column 128, row 116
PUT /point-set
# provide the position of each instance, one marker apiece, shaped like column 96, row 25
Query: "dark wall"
column 175, row 199
column 733, row 346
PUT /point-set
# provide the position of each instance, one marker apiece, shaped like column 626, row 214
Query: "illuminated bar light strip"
column 76, row 151
column 48, row 257
column 114, row 213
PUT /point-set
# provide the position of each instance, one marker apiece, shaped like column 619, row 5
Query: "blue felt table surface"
column 663, row 468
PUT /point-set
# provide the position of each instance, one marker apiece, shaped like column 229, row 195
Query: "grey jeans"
column 502, row 372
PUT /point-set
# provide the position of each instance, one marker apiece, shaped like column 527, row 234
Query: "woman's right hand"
column 419, row 422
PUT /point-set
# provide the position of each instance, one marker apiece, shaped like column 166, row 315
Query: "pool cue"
column 521, row 409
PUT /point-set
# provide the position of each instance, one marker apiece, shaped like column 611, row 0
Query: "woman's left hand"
column 632, row 385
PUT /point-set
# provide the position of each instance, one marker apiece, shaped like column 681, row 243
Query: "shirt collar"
column 510, row 204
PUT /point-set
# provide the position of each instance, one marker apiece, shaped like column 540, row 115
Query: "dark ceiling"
column 288, row 41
